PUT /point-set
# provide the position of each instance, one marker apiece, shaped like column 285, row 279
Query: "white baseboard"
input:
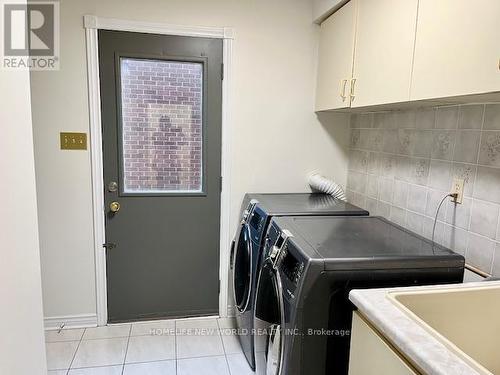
column 70, row 321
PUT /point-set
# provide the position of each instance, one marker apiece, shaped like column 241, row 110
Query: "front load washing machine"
column 302, row 312
column 256, row 214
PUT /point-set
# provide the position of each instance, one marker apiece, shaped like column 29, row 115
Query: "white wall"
column 323, row 8
column 276, row 138
column 22, row 348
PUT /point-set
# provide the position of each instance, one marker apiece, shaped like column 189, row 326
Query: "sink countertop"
column 426, row 352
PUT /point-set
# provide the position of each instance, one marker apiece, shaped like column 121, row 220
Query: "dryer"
column 256, row 213
column 302, row 312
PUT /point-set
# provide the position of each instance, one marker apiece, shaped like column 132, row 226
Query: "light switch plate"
column 73, row 141
column 458, row 188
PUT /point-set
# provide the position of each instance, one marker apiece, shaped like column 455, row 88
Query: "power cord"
column 453, row 195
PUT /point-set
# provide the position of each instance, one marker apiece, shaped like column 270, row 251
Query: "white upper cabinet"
column 335, row 63
column 385, row 38
column 408, row 50
column 457, row 50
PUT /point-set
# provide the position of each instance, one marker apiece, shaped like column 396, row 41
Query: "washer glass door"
column 269, row 321
column 274, row 350
column 242, row 277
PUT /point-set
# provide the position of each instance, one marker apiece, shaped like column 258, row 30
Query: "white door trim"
column 92, row 24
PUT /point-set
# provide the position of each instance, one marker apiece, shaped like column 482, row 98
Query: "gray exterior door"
column 161, row 99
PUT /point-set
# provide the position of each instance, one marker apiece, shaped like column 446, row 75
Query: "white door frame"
column 92, row 24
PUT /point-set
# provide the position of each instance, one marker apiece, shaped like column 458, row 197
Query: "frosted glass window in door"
column 161, row 126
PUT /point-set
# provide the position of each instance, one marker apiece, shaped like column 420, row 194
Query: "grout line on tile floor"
column 106, row 338
column 76, row 351
column 126, row 349
column 91, row 367
column 223, row 347
column 195, row 357
column 175, row 347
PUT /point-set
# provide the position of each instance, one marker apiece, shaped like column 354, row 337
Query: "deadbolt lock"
column 114, row 206
column 113, row 186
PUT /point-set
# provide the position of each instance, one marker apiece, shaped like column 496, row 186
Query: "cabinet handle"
column 353, row 84
column 342, row 90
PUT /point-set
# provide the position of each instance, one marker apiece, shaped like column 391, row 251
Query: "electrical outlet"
column 458, row 188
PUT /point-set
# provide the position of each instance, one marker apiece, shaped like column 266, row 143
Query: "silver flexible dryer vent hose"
column 321, row 184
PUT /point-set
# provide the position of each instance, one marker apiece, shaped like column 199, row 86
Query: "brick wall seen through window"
column 161, row 125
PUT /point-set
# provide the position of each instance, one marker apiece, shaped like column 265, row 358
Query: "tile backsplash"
column 402, row 163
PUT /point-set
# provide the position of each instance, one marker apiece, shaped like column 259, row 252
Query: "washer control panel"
column 291, row 266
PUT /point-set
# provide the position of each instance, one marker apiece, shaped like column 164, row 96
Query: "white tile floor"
column 168, row 347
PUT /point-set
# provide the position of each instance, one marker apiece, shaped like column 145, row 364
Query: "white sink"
column 466, row 320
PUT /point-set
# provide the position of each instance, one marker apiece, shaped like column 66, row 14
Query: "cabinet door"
column 457, row 50
column 336, row 49
column 371, row 355
column 385, row 39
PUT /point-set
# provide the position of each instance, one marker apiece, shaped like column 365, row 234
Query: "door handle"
column 342, row 90
column 114, row 207
column 353, row 83
column 109, row 245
